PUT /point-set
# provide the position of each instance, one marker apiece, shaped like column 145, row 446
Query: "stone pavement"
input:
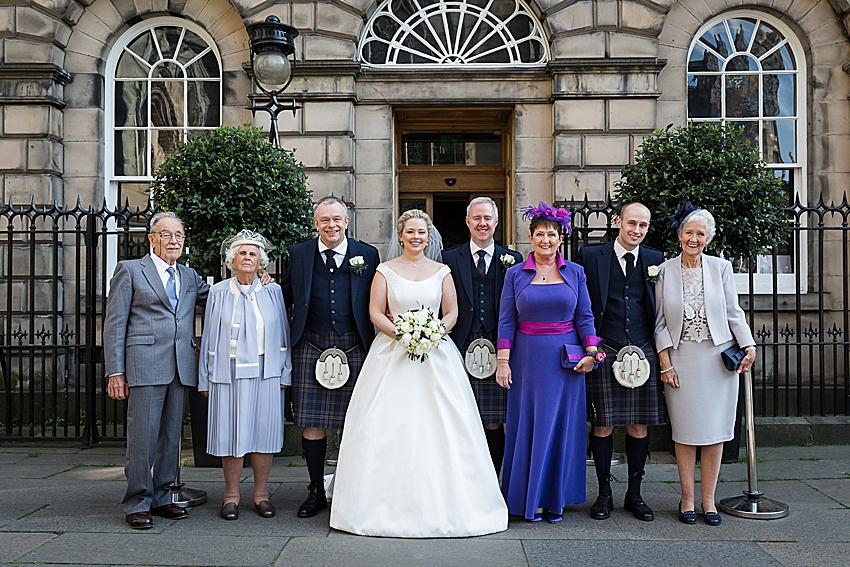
column 59, row 506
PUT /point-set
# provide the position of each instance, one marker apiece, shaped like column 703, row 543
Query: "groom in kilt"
column 622, row 295
column 326, row 288
column 478, row 269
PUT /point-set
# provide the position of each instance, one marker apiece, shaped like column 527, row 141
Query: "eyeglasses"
column 166, row 235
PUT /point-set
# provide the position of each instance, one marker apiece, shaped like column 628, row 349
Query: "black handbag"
column 732, row 357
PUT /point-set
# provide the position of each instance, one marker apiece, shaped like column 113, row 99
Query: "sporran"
column 332, row 370
column 480, row 359
column 631, row 369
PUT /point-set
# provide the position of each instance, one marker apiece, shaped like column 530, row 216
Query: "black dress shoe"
column 601, row 509
column 264, row 509
column 687, row 517
column 316, row 501
column 635, row 504
column 711, row 518
column 170, row 512
column 140, row 520
column 230, row 511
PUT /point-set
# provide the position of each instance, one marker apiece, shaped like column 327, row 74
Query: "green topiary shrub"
column 229, row 179
column 713, row 166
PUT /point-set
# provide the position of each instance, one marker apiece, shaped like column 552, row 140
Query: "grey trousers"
column 154, row 430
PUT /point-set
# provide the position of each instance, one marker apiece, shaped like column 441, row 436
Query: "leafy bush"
column 712, row 165
column 228, row 179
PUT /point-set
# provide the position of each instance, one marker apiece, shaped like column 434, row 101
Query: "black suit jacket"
column 298, row 279
column 596, row 261
column 459, row 260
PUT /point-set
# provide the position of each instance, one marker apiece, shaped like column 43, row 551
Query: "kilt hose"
column 491, row 398
column 313, row 405
column 609, row 403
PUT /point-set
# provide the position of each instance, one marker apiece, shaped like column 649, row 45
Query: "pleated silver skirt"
column 702, row 408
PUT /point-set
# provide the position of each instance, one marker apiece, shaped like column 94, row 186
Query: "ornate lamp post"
column 272, row 43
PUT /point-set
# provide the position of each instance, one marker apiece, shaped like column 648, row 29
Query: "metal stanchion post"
column 753, row 503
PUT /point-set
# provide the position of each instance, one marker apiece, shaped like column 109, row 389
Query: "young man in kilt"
column 623, row 301
column 326, row 288
column 479, row 271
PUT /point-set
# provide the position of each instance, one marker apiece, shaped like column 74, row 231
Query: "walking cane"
column 753, row 504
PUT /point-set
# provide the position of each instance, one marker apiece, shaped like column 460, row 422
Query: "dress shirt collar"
column 620, row 251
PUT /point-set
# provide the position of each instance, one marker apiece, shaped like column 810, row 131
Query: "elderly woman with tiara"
column 546, row 343
column 244, row 364
column 697, row 317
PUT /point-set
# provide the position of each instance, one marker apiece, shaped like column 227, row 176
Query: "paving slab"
column 791, row 453
column 149, row 548
column 835, row 489
column 353, row 551
column 796, row 493
column 12, row 546
column 809, row 554
column 818, row 526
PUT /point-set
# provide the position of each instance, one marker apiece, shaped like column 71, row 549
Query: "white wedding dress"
column 413, row 461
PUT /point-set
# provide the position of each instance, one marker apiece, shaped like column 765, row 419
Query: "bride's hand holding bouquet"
column 419, row 331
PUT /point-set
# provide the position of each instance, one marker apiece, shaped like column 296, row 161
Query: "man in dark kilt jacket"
column 326, row 288
column 479, row 272
column 622, row 297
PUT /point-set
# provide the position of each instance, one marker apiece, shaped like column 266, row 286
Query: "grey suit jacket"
column 725, row 316
column 143, row 337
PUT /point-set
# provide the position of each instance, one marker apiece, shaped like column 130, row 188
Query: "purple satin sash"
column 545, row 327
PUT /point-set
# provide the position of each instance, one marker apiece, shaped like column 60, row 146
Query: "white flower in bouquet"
column 419, row 331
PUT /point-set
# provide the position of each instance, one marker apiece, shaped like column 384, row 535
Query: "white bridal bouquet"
column 419, row 331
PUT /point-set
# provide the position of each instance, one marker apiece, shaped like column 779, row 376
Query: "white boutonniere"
column 357, row 264
column 507, row 260
column 652, row 273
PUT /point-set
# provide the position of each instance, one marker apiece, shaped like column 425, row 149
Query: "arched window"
column 163, row 85
column 747, row 69
column 467, row 33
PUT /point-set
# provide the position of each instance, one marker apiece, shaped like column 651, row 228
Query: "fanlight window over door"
column 470, row 33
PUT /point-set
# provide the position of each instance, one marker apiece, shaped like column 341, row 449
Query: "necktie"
column 630, row 264
column 481, row 265
column 171, row 288
column 329, row 259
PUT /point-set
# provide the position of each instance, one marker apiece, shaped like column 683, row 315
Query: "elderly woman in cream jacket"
column 697, row 317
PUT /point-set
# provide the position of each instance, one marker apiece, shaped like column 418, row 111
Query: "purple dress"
column 546, row 416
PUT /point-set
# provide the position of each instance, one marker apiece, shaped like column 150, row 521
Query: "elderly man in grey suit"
column 148, row 331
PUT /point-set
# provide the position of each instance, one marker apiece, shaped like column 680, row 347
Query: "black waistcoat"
column 330, row 298
column 625, row 317
column 484, row 298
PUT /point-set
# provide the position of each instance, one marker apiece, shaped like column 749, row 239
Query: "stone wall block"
column 373, row 156
column 191, row 10
column 107, row 13
column 88, row 188
column 332, row 19
column 17, row 50
column 26, row 120
column 323, row 183
column 374, row 190
column 143, row 6
column 231, row 22
column 340, row 153
column 532, row 120
column 606, row 150
column 579, row 46
column 830, row 117
column 309, row 150
column 567, row 151
column 374, row 226
column 85, row 44
column 212, row 12
column 127, row 9
column 640, row 17
column 304, row 16
column 631, row 114
column 675, row 88
column 45, row 156
column 607, row 14
column 630, row 45
column 286, row 122
column 85, row 91
column 318, row 47
column 580, row 185
column 83, row 159
column 373, row 121
column 572, row 18
column 92, row 26
column 359, row 6
column 575, row 114
column 253, row 6
column 83, row 124
column 329, row 117
column 674, row 36
column 614, row 178
column 7, row 21
column 23, row 188
column 53, row 7
column 530, row 189
column 13, row 155
column 534, row 154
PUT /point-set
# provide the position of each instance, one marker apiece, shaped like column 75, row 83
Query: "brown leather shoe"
column 264, row 509
column 170, row 512
column 229, row 511
column 140, row 520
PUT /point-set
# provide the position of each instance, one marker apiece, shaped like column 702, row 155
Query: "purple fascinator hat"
column 548, row 212
column 681, row 216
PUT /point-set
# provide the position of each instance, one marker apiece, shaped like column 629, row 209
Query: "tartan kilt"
column 491, row 398
column 314, row 405
column 609, row 403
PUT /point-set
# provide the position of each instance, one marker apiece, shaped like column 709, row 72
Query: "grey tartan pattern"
column 609, row 403
column 312, row 404
column 491, row 398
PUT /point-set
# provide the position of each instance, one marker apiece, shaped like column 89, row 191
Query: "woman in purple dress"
column 545, row 308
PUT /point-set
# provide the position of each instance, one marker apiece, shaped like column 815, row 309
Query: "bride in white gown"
column 413, row 461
